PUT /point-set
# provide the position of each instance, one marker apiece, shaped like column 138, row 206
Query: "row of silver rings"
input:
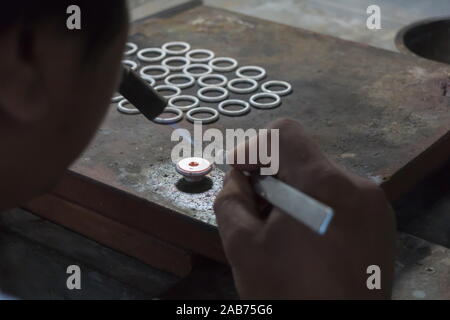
column 246, row 106
column 214, row 63
column 176, row 89
column 158, row 54
column 192, row 56
column 195, row 102
column 190, row 80
column 206, row 76
column 189, row 68
column 193, row 108
column 186, row 67
column 254, row 101
column 190, row 115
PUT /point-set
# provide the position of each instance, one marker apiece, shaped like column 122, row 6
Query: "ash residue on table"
column 195, row 198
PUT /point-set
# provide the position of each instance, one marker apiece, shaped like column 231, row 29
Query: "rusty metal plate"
column 379, row 114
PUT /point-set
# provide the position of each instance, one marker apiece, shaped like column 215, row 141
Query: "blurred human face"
column 72, row 98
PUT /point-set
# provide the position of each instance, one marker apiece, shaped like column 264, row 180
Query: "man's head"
column 55, row 86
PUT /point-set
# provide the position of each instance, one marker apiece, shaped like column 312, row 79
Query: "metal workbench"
column 379, row 114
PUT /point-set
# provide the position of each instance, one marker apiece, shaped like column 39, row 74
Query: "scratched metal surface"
column 371, row 110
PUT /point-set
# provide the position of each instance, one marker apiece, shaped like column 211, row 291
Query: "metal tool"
column 312, row 213
column 141, row 95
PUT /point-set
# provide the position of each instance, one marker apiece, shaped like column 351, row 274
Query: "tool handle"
column 141, row 95
column 312, row 213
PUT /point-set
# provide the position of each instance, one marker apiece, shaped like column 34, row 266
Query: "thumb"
column 236, row 209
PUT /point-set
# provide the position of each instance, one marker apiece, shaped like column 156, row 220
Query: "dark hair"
column 101, row 20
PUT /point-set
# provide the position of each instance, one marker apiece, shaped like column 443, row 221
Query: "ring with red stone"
column 194, row 169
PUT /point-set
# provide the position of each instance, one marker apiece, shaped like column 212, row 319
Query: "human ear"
column 22, row 95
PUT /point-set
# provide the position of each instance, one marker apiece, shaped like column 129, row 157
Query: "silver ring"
column 169, row 88
column 178, row 116
column 176, row 68
column 213, row 64
column 132, row 48
column 239, row 112
column 190, row 80
column 186, row 47
column 209, row 55
column 232, row 85
column 286, row 91
column 195, row 102
column 205, row 67
column 121, row 107
column 142, row 57
column 191, row 118
column 270, row 105
column 202, row 80
column 165, row 72
column 260, row 76
column 117, row 97
column 150, row 80
column 203, row 97
column 133, row 65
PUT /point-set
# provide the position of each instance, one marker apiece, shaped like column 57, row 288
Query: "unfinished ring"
column 165, row 72
column 186, row 47
column 178, row 116
column 233, row 102
column 286, row 91
column 169, row 88
column 195, row 102
column 194, row 169
column 203, row 97
column 144, row 58
column 133, row 65
column 202, row 80
column 232, row 85
column 116, row 98
column 121, row 107
column 214, row 64
column 269, row 105
column 166, row 62
column 132, row 48
column 209, row 55
column 260, row 76
column 205, row 67
column 191, row 118
column 190, row 80
column 150, row 80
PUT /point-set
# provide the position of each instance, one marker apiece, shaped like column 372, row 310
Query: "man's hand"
column 277, row 257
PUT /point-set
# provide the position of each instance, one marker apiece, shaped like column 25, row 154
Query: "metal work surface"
column 374, row 112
